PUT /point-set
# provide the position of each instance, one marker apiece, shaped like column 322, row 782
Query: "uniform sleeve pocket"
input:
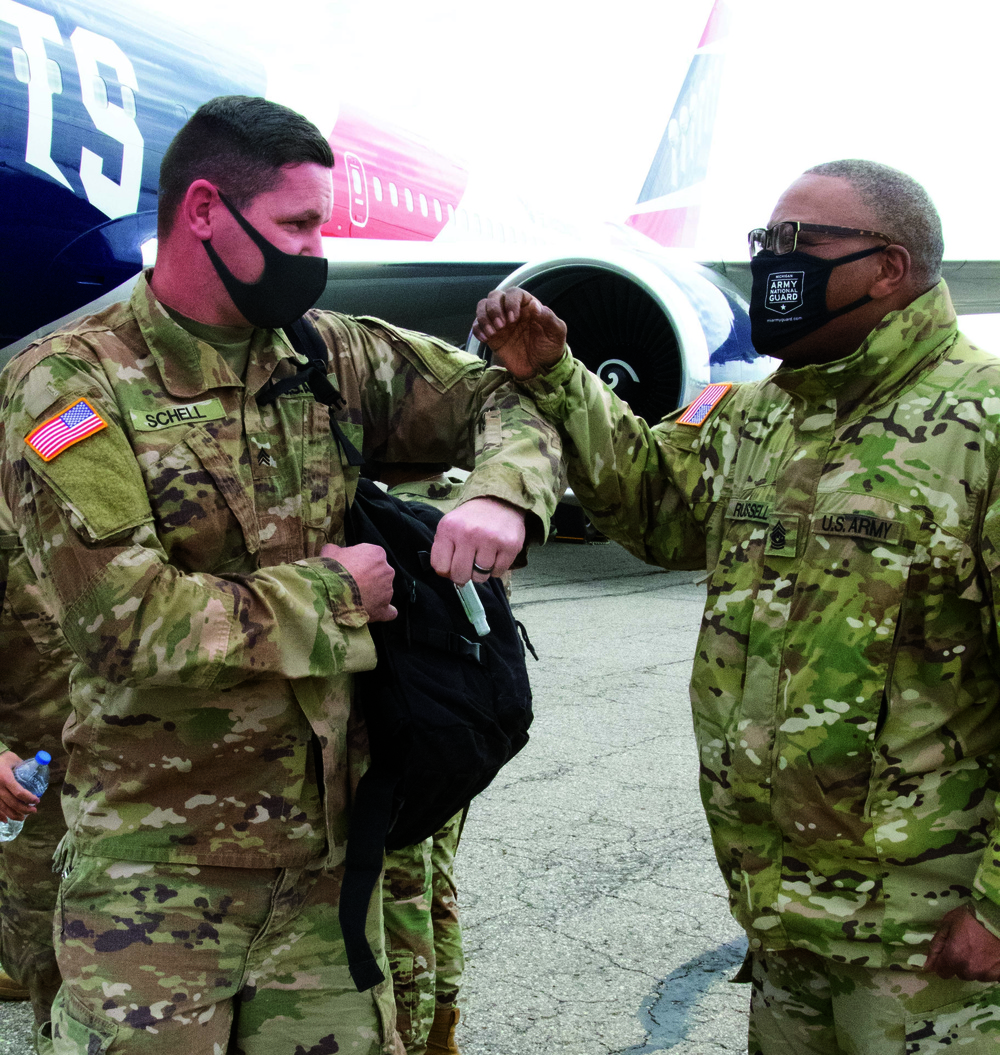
column 99, row 484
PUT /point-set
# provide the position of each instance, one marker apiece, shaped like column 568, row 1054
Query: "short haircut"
column 239, row 143
column 903, row 210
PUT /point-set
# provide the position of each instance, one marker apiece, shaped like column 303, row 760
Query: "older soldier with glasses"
column 846, row 685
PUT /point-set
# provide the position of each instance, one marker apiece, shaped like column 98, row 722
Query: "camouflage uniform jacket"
column 178, row 547
column 34, row 659
column 846, row 685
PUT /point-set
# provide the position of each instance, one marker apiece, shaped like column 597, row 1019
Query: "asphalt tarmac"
column 595, row 918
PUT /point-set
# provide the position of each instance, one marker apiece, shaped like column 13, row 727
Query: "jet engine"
column 654, row 329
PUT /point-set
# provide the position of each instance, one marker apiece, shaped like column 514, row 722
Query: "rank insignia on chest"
column 781, row 537
column 78, row 421
column 264, row 457
column 698, row 410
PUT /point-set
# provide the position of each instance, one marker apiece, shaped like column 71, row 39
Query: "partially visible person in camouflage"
column 846, row 684
column 34, row 704
column 180, row 499
column 419, row 895
column 424, row 940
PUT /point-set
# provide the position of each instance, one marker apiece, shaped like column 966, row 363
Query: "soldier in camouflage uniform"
column 189, row 541
column 846, row 685
column 34, row 704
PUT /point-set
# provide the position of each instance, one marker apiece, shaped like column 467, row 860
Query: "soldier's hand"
column 485, row 532
column 525, row 336
column 367, row 566
column 962, row 946
column 16, row 802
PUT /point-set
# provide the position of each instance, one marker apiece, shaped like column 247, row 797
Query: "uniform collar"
column 190, row 367
column 905, row 342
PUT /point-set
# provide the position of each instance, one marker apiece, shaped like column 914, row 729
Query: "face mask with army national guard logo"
column 788, row 296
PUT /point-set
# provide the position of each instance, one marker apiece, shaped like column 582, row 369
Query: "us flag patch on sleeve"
column 701, row 407
column 78, row 421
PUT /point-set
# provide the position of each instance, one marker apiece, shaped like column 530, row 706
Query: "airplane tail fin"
column 669, row 203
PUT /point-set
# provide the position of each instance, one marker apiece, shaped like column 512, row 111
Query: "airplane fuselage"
column 90, row 96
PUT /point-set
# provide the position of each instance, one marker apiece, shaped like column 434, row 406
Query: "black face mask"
column 288, row 286
column 788, row 296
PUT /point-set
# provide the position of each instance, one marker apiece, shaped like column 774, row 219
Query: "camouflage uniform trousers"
column 28, row 889
column 803, row 1004
column 423, row 935
column 188, row 960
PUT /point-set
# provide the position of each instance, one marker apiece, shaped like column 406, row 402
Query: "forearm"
column 632, row 482
column 518, row 460
column 133, row 618
column 423, row 401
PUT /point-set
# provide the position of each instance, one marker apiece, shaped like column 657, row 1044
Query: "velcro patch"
column 782, row 536
column 741, row 510
column 698, row 410
column 78, row 421
column 859, row 525
column 165, row 417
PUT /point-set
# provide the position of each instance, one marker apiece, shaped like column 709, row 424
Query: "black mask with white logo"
column 287, row 288
column 788, row 296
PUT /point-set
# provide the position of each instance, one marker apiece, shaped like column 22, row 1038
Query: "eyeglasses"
column 784, row 237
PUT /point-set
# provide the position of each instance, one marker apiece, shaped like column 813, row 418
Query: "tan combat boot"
column 441, row 1039
column 11, row 990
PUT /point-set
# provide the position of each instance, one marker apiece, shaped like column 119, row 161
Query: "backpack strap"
column 314, row 372
column 371, row 813
column 371, row 810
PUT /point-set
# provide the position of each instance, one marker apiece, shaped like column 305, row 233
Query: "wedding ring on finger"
column 482, row 571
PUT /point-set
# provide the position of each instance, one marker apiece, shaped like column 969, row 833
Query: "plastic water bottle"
column 33, row 775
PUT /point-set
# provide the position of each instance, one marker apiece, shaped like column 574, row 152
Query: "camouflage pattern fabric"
column 802, row 1004
column 419, row 896
column 177, row 547
column 34, row 703
column 423, row 933
column 449, row 955
column 28, row 889
column 169, row 959
column 846, row 684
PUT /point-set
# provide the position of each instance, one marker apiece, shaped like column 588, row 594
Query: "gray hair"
column 903, row 210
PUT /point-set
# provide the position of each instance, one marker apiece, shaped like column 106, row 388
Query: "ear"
column 197, row 207
column 893, row 274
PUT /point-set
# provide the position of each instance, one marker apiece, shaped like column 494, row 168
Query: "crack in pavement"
column 666, row 1013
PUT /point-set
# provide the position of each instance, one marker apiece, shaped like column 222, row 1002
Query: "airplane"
column 90, row 96
column 91, row 93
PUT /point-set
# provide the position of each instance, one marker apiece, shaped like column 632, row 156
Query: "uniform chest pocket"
column 854, row 579
column 204, row 511
column 326, row 478
column 749, row 528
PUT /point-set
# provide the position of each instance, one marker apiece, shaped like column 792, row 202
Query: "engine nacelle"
column 657, row 330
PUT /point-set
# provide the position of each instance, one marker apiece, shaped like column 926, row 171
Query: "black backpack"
column 445, row 708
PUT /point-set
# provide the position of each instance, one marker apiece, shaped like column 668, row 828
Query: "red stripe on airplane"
column 396, row 157
column 717, row 27
column 668, row 227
